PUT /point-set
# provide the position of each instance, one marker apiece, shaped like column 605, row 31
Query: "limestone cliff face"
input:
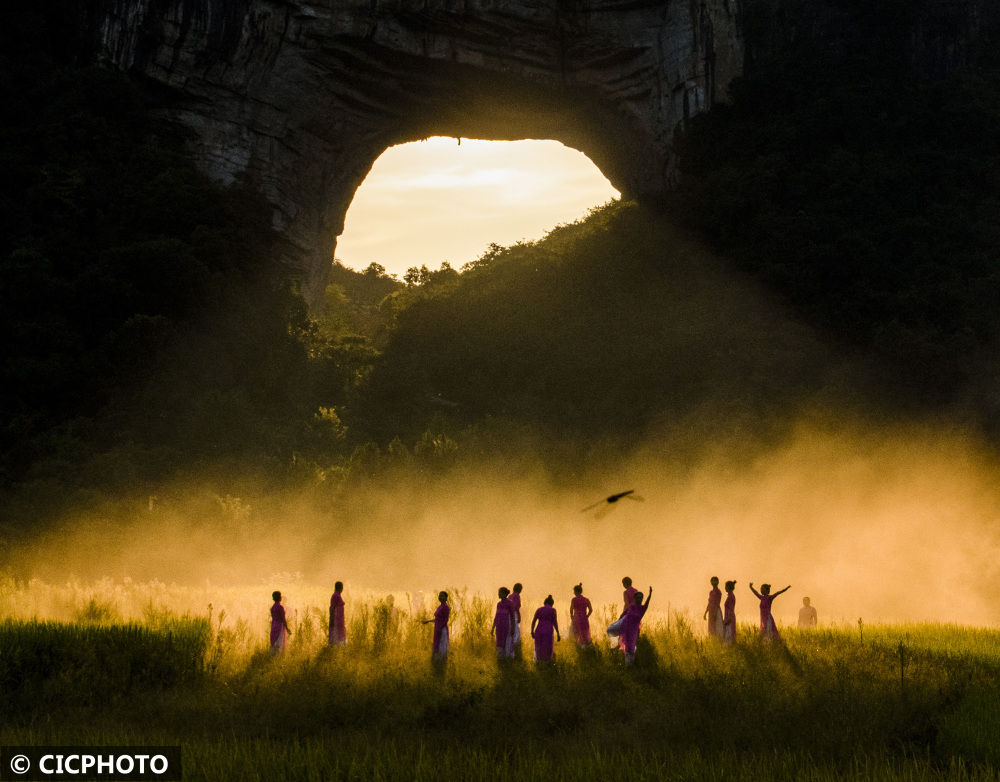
column 303, row 97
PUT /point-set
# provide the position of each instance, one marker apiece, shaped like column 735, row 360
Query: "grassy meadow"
column 152, row 663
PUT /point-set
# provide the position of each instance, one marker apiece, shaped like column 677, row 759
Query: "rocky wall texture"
column 303, row 97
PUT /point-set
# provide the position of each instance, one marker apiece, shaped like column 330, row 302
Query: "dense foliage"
column 849, row 194
column 148, row 328
column 857, row 175
column 603, row 330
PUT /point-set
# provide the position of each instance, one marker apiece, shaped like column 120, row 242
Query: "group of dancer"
column 722, row 618
column 506, row 627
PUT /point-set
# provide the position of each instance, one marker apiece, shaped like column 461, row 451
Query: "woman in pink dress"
column 503, row 626
column 713, row 613
column 439, row 645
column 580, row 610
column 628, row 599
column 729, row 617
column 631, row 620
column 542, row 625
column 515, row 601
column 279, row 627
column 338, row 628
column 768, row 629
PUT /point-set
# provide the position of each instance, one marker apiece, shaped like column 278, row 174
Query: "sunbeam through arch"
column 439, row 200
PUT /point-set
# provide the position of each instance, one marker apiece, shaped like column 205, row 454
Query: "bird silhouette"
column 606, row 505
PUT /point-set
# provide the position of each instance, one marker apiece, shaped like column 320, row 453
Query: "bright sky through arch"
column 432, row 201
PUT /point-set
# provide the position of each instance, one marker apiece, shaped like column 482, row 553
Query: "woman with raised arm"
column 631, row 621
column 503, row 626
column 580, row 610
column 713, row 613
column 543, row 624
column 729, row 616
column 768, row 629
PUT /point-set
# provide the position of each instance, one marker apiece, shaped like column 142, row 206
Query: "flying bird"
column 606, row 505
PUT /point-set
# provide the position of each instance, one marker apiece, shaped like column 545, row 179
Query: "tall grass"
column 46, row 661
column 904, row 702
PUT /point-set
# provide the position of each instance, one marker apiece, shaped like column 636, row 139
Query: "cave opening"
column 447, row 199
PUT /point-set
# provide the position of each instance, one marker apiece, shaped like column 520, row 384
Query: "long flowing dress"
column 578, row 608
column 338, row 628
column 768, row 629
column 715, row 612
column 630, row 628
column 545, row 633
column 440, row 646
column 515, row 602
column 277, row 628
column 504, row 620
column 628, row 598
column 729, row 619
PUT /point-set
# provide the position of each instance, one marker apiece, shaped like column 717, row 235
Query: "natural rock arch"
column 303, row 98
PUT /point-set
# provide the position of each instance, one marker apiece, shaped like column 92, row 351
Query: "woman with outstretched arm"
column 631, row 621
column 768, row 628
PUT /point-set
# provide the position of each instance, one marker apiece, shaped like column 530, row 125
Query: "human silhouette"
column 631, row 621
column 713, row 612
column 503, row 626
column 580, row 610
column 729, row 616
column 628, row 599
column 515, row 601
column 440, row 643
column 279, row 626
column 337, row 635
column 543, row 624
column 807, row 614
column 768, row 628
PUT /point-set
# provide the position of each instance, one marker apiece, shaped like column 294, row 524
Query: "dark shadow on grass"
column 647, row 659
column 759, row 655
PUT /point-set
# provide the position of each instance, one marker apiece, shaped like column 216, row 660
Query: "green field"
column 136, row 664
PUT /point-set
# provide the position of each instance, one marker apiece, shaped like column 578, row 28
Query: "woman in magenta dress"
column 338, row 628
column 515, row 601
column 713, row 613
column 729, row 616
column 279, row 626
column 768, row 628
column 631, row 620
column 440, row 643
column 542, row 626
column 628, row 599
column 580, row 610
column 503, row 626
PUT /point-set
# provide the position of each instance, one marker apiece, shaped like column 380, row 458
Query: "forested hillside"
column 832, row 246
column 857, row 177
column 148, row 333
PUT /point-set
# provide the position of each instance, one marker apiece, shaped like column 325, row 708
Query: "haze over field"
column 885, row 526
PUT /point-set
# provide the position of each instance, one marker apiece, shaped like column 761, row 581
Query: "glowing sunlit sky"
column 438, row 200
